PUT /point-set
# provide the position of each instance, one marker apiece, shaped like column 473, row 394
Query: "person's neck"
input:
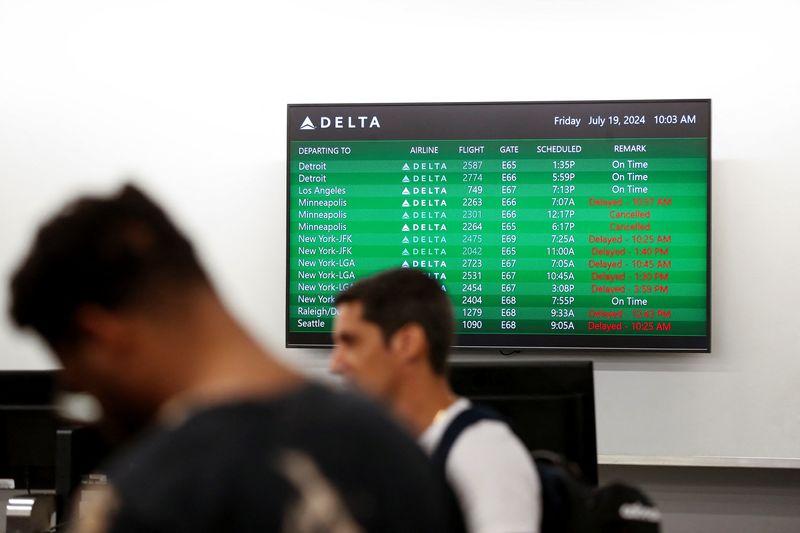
column 419, row 399
column 237, row 367
column 224, row 363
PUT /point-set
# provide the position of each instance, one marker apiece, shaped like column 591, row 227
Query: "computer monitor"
column 550, row 405
column 38, row 450
column 28, row 425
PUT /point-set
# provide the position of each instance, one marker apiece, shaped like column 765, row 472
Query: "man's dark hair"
column 403, row 296
column 114, row 252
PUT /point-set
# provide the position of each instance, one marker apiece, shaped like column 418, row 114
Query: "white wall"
column 190, row 97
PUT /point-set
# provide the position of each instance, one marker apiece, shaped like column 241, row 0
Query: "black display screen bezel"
column 578, row 343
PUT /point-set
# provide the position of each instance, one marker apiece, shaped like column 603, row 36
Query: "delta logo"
column 342, row 122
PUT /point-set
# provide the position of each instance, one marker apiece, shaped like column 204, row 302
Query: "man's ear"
column 408, row 343
column 99, row 328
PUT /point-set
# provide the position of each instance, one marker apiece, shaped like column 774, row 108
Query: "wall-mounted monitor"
column 557, row 225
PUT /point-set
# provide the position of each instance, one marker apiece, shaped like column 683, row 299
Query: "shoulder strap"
column 462, row 421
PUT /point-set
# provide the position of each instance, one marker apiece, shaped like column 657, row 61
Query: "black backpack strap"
column 462, row 421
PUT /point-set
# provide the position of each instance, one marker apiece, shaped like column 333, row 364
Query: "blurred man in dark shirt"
column 235, row 441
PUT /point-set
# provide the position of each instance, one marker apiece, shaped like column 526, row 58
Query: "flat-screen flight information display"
column 575, row 225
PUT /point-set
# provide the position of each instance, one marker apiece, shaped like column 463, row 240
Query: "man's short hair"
column 403, row 296
column 114, row 252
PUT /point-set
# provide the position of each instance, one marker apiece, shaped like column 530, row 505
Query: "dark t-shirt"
column 309, row 461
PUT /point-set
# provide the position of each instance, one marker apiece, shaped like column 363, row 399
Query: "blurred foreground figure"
column 393, row 334
column 228, row 439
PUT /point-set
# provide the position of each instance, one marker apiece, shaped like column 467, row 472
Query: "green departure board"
column 556, row 225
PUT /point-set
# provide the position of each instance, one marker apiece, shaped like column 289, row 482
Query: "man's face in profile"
column 361, row 354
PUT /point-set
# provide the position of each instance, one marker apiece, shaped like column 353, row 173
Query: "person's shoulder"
column 287, row 418
column 494, row 478
column 223, row 439
column 489, row 444
column 240, row 451
column 350, row 423
column 216, row 436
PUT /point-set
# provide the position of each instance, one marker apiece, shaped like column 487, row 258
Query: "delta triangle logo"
column 307, row 124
